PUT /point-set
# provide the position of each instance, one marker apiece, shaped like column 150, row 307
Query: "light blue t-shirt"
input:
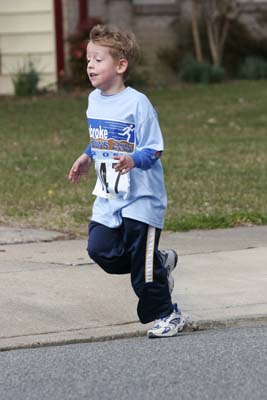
column 119, row 124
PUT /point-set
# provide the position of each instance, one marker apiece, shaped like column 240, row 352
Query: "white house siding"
column 27, row 33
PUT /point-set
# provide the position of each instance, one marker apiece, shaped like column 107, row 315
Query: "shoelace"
column 158, row 321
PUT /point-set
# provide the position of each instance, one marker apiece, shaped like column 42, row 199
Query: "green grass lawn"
column 215, row 158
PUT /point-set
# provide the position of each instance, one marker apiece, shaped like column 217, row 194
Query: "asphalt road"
column 229, row 364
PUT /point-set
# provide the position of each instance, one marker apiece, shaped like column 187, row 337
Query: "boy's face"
column 104, row 72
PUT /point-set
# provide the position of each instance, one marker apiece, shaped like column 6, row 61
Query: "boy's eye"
column 96, row 59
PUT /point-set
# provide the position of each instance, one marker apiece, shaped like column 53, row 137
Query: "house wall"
column 152, row 24
column 26, row 33
column 70, row 10
column 27, row 30
column 151, row 21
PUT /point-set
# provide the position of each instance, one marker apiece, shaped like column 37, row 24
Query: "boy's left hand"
column 124, row 165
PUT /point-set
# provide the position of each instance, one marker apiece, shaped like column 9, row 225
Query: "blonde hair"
column 121, row 44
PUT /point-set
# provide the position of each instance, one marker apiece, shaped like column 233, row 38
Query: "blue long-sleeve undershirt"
column 143, row 159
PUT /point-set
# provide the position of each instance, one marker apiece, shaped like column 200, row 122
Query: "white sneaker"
column 168, row 326
column 170, row 259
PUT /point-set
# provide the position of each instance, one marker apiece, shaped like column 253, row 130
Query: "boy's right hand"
column 80, row 168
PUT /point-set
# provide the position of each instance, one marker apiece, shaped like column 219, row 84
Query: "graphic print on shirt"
column 109, row 138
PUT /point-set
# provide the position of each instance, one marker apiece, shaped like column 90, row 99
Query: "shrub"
column 217, row 74
column 26, row 81
column 195, row 72
column 183, row 46
column 253, row 68
column 240, row 44
column 138, row 78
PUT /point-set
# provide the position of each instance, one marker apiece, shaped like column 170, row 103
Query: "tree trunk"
column 213, row 45
column 195, row 32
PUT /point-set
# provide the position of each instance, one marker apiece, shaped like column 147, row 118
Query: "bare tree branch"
column 218, row 15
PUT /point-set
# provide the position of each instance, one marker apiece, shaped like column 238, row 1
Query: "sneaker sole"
column 170, row 270
column 175, row 261
column 152, row 335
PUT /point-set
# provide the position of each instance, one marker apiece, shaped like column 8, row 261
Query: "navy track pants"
column 132, row 249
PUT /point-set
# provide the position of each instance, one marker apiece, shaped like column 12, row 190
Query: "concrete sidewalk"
column 51, row 293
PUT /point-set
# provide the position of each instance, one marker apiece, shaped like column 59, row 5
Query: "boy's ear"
column 122, row 66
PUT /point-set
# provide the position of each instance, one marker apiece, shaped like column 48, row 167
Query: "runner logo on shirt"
column 114, row 136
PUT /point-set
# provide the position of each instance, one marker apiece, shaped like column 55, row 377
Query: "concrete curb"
column 46, row 301
column 129, row 331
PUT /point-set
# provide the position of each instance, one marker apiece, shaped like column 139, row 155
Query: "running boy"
column 128, row 213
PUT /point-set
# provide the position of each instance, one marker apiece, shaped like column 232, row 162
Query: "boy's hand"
column 124, row 165
column 80, row 168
